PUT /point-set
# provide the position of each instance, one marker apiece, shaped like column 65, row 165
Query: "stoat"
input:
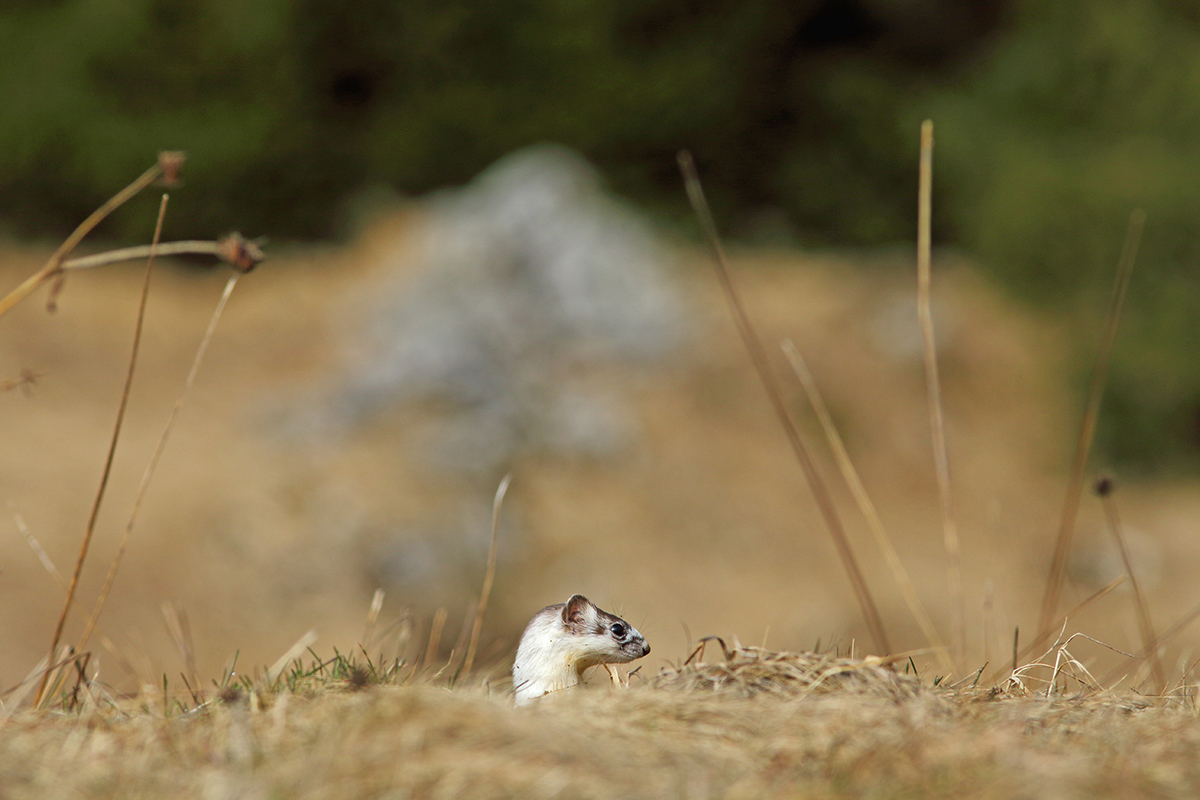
column 564, row 640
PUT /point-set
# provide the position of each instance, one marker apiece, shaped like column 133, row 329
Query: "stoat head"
column 562, row 641
column 599, row 637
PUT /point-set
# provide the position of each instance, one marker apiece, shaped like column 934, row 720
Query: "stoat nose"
column 645, row 648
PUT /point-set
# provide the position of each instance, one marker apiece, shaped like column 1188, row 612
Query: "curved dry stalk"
column 850, row 475
column 762, row 365
column 167, row 167
column 153, row 465
column 238, row 252
column 488, row 577
column 112, row 449
column 191, row 247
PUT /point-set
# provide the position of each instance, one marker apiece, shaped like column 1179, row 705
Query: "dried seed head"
column 171, row 162
column 240, row 253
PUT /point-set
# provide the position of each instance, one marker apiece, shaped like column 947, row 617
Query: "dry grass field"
column 253, row 533
column 757, row 725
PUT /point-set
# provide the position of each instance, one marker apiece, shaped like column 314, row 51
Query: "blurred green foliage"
column 1081, row 112
column 288, row 107
column 1054, row 120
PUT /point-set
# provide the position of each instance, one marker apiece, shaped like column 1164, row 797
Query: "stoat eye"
column 618, row 630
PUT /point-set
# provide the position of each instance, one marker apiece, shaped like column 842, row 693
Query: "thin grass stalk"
column 154, row 459
column 933, row 382
column 1145, row 623
column 866, row 506
column 112, row 449
column 770, row 381
column 180, row 631
column 1015, row 654
column 1087, row 428
column 488, row 576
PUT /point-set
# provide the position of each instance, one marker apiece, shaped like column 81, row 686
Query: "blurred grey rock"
column 530, row 274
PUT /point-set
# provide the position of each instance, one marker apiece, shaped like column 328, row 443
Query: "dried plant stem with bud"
column 167, row 168
column 242, row 255
column 236, row 251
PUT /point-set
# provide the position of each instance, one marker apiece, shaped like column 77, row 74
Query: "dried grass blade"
column 1168, row 635
column 154, row 459
column 180, row 631
column 762, row 366
column 435, row 638
column 1059, row 623
column 1087, row 429
column 112, row 449
column 37, row 548
column 488, row 577
column 865, row 505
column 293, row 652
column 372, row 618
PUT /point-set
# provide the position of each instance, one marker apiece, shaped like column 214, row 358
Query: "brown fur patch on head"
column 579, row 614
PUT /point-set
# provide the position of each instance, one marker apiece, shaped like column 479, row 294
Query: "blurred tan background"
column 281, row 505
column 482, row 261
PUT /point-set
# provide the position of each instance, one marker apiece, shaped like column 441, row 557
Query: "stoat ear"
column 575, row 612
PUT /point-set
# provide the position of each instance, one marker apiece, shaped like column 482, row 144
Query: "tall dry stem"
column 488, row 577
column 762, row 365
column 866, row 506
column 154, row 459
column 112, row 449
column 1087, row 428
column 1104, row 488
column 934, row 390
